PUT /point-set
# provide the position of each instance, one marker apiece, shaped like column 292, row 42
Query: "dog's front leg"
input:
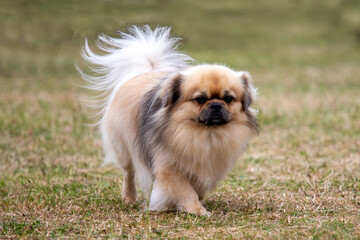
column 173, row 190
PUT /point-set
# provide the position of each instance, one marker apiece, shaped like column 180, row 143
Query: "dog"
column 175, row 128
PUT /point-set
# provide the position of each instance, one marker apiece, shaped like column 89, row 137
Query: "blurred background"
column 304, row 57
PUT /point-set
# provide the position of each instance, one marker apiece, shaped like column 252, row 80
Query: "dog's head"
column 210, row 95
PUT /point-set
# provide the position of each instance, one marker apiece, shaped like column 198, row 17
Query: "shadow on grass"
column 239, row 204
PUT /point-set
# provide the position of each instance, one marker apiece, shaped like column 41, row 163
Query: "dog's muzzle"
column 214, row 114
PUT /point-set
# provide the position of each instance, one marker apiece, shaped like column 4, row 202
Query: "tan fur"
column 194, row 157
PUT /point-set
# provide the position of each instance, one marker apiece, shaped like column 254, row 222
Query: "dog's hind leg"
column 128, row 186
column 118, row 153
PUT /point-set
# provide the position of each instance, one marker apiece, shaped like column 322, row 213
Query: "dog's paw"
column 204, row 212
column 196, row 209
column 129, row 200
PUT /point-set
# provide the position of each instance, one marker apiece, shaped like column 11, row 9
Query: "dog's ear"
column 249, row 94
column 172, row 90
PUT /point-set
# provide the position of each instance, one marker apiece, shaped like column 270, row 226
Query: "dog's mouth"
column 214, row 120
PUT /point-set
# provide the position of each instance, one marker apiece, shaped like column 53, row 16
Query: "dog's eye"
column 228, row 99
column 200, row 100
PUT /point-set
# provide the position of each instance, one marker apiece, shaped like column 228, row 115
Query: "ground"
column 300, row 177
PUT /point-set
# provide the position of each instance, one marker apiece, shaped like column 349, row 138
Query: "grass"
column 300, row 177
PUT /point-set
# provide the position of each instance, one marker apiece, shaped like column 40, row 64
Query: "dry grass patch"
column 299, row 179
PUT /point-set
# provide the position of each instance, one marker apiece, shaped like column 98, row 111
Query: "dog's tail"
column 138, row 51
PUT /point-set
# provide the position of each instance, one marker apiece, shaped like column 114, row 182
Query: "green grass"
column 300, row 177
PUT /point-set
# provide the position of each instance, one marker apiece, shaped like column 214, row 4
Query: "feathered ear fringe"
column 138, row 51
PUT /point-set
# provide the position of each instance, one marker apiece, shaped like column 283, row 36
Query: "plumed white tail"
column 139, row 51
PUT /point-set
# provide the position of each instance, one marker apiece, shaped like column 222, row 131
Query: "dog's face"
column 210, row 95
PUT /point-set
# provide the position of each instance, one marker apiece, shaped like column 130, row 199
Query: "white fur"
column 139, row 51
column 159, row 199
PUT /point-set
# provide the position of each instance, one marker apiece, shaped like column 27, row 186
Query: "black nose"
column 216, row 106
